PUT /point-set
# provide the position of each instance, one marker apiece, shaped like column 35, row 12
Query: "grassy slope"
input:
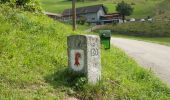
column 142, row 8
column 33, row 60
column 163, row 11
column 142, row 28
column 143, row 31
column 159, row 40
column 159, row 26
column 30, row 50
column 164, row 5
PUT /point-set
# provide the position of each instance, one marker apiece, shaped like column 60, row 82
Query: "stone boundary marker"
column 84, row 56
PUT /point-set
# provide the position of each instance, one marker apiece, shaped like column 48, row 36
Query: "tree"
column 124, row 9
column 106, row 9
column 28, row 5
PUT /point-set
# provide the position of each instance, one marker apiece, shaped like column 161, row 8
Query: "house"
column 91, row 14
column 111, row 18
column 53, row 15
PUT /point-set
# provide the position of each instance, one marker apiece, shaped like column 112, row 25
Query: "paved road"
column 149, row 55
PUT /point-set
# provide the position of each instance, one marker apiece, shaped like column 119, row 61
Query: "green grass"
column 157, row 32
column 142, row 8
column 162, row 11
column 163, row 6
column 159, row 40
column 33, row 62
column 150, row 29
column 30, row 50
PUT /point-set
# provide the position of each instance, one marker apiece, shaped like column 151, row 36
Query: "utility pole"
column 74, row 14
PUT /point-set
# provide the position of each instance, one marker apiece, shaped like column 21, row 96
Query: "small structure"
column 111, row 18
column 53, row 15
column 142, row 20
column 150, row 19
column 90, row 13
column 105, row 36
column 132, row 20
column 84, row 56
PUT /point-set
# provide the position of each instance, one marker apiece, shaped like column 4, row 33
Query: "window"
column 93, row 18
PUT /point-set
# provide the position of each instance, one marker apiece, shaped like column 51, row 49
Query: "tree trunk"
column 123, row 17
column 74, row 14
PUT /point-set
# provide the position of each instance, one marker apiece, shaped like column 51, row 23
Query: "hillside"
column 163, row 11
column 142, row 8
column 157, row 31
column 30, row 50
column 33, row 62
column 164, row 5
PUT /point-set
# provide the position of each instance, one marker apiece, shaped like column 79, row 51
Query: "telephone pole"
column 74, row 14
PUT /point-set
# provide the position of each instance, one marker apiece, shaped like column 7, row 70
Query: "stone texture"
column 84, row 56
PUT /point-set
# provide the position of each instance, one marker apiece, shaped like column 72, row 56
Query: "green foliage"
column 150, row 29
column 32, row 46
column 4, row 1
column 159, row 40
column 124, row 9
column 82, row 20
column 163, row 11
column 28, row 5
column 106, row 9
column 142, row 8
column 22, row 2
column 163, row 6
column 128, row 80
column 33, row 63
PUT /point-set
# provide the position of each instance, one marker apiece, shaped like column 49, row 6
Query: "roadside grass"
column 142, row 8
column 159, row 40
column 33, row 62
column 79, row 27
column 148, row 29
column 128, row 79
column 32, row 47
column 157, row 32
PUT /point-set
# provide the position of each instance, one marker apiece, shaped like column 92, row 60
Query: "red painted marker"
column 77, row 57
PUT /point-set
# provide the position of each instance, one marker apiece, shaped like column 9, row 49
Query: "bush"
column 150, row 29
column 28, row 5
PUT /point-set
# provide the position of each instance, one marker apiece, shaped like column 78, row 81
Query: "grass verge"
column 148, row 29
column 33, row 62
column 159, row 40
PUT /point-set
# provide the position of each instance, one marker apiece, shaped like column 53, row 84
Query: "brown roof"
column 84, row 10
column 113, row 15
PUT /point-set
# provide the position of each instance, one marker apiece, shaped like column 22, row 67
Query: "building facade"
column 91, row 14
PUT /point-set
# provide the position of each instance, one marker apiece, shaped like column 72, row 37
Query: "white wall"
column 93, row 17
column 100, row 13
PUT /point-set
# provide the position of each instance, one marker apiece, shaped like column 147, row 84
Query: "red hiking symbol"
column 77, row 57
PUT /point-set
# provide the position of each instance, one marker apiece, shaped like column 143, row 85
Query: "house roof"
column 84, row 10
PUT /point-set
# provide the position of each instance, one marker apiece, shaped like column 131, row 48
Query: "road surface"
column 149, row 55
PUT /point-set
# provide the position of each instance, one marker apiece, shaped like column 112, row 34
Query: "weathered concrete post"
column 84, row 56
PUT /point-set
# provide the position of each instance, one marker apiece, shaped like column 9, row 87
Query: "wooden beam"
column 74, row 14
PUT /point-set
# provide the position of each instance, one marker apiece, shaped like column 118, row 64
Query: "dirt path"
column 149, row 55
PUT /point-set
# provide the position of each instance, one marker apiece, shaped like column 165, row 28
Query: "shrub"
column 28, row 5
column 150, row 29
